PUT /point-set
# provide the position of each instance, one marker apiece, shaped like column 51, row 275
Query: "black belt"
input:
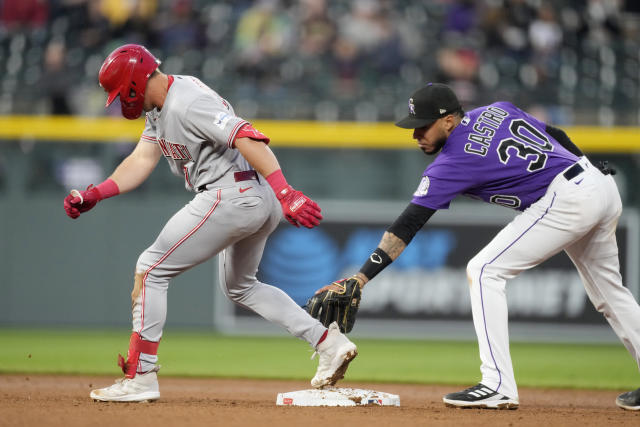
column 573, row 171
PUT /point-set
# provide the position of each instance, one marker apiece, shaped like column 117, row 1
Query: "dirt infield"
column 64, row 401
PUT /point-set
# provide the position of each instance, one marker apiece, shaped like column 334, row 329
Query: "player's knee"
column 138, row 277
column 237, row 292
column 145, row 276
column 236, row 295
column 474, row 269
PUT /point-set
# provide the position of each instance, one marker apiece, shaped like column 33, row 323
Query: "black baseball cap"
column 428, row 104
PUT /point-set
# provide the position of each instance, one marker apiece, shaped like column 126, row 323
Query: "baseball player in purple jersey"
column 240, row 195
column 500, row 154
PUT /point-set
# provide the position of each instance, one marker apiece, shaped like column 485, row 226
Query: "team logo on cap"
column 412, row 108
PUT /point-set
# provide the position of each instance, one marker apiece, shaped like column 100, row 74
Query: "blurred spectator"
column 317, row 30
column 90, row 23
column 545, row 34
column 368, row 48
column 55, row 82
column 363, row 25
column 345, row 64
column 23, row 14
column 461, row 17
column 337, row 54
column 96, row 29
column 179, row 28
column 387, row 56
column 458, row 64
column 602, row 19
column 264, row 32
column 128, row 19
column 80, row 22
column 506, row 24
column 458, row 67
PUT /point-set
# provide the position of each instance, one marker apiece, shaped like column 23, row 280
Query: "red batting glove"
column 75, row 204
column 298, row 209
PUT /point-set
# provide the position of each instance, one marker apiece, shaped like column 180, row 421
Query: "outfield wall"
column 57, row 271
column 296, row 134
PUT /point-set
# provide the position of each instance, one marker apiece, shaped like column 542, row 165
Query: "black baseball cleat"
column 479, row 396
column 629, row 400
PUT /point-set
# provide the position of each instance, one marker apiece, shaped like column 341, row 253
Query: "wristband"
column 377, row 262
column 107, row 189
column 278, row 183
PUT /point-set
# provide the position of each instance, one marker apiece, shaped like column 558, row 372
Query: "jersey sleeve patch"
column 222, row 118
column 423, row 187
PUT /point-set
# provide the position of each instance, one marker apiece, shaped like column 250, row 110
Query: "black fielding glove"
column 337, row 302
column 603, row 166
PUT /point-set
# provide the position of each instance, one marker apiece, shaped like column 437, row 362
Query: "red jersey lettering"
column 173, row 150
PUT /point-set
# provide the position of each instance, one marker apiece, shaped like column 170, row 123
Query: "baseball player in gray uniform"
column 500, row 154
column 240, row 196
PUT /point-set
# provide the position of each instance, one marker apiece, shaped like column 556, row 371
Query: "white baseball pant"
column 578, row 216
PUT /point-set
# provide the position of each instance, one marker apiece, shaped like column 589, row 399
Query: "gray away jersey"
column 195, row 130
column 499, row 154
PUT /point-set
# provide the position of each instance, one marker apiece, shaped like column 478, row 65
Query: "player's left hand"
column 298, row 209
column 337, row 302
column 78, row 202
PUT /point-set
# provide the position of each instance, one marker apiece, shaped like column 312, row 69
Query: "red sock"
column 322, row 338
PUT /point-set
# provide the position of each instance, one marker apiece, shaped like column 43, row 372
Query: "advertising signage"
column 428, row 281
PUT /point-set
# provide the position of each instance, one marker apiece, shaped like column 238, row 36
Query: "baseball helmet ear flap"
column 125, row 73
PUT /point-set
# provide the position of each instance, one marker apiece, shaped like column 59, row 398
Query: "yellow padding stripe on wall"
column 299, row 134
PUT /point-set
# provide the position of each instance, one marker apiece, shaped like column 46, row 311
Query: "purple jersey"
column 499, row 154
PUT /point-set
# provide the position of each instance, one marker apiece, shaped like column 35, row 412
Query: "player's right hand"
column 298, row 209
column 78, row 202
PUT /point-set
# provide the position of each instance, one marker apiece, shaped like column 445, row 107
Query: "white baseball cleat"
column 480, row 396
column 336, row 352
column 141, row 388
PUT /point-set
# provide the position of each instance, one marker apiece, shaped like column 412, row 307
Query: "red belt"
column 245, row 175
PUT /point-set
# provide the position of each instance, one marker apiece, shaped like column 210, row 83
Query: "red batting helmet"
column 125, row 72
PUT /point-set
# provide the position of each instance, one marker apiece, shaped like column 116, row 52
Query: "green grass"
column 213, row 355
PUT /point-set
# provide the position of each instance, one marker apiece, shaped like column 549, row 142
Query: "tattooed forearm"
column 392, row 245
